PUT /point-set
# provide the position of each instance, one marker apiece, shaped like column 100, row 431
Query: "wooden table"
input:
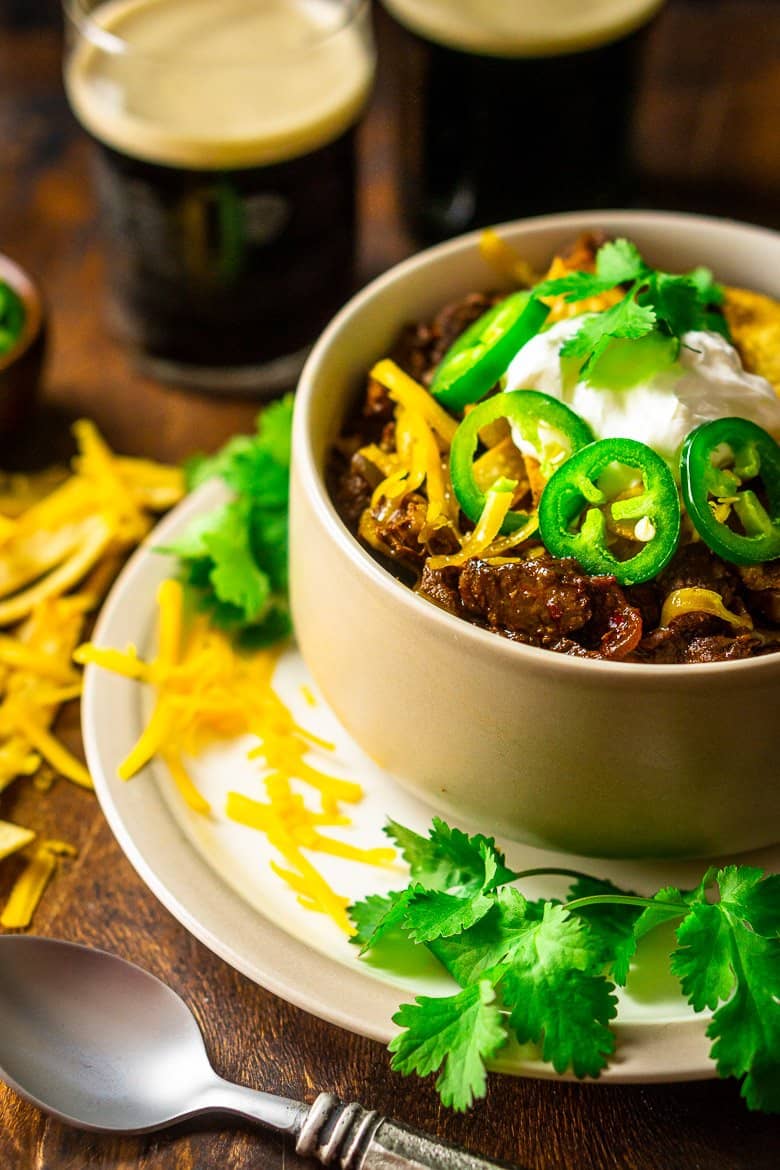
column 707, row 141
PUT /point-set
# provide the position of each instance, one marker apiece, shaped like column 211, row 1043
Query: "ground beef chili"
column 541, row 600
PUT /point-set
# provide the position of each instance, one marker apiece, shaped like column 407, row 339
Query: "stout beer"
column 226, row 173
column 515, row 107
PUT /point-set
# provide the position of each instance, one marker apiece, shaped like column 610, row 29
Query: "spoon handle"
column 353, row 1138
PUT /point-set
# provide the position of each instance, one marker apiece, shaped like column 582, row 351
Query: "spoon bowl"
column 115, row 1050
column 103, row 1045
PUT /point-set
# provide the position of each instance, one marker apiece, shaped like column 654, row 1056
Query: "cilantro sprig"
column 234, row 558
column 546, row 971
column 654, row 301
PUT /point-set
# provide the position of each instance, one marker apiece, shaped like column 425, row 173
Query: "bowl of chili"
column 597, row 757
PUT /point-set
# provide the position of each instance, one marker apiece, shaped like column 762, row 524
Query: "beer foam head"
column 219, row 83
column 523, row 28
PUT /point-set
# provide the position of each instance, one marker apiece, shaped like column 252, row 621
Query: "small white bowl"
column 600, row 758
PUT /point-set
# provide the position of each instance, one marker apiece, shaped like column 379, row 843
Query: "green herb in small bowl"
column 22, row 346
column 12, row 316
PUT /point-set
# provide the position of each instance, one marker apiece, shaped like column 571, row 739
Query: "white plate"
column 214, row 877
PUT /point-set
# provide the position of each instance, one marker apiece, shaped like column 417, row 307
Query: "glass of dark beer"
column 515, row 107
column 225, row 164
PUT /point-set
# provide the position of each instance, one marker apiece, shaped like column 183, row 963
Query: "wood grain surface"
column 707, row 140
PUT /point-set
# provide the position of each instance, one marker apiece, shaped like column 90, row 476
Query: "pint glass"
column 224, row 159
column 515, row 107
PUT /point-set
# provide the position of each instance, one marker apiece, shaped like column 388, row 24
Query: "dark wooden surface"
column 707, row 140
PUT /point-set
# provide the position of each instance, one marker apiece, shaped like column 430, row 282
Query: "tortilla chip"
column 754, row 321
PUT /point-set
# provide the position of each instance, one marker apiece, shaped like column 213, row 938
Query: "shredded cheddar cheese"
column 415, row 397
column 205, row 691
column 62, row 540
column 505, row 260
column 31, row 883
column 483, row 540
column 13, row 837
column 423, row 432
column 698, row 600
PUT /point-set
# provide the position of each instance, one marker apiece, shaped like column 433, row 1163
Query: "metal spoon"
column 105, row 1046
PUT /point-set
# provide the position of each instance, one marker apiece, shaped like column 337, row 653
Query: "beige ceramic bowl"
column 594, row 757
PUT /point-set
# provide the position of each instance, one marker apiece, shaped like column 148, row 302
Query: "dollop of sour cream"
column 706, row 381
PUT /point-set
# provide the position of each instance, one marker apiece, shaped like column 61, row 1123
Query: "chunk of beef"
column 420, row 348
column 662, row 646
column 648, row 599
column 761, row 591
column 615, row 628
column 723, row 648
column 552, row 603
column 543, row 599
column 760, row 577
column 453, row 320
column 400, row 531
column 378, row 406
column 351, row 481
column 396, row 529
column 697, row 637
column 441, row 587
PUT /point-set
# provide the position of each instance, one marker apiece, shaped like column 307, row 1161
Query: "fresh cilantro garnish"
column 671, row 305
column 461, row 1032
column 619, row 262
column 234, row 559
column 545, row 972
column 625, row 319
column 11, row 317
column 448, row 859
column 556, row 994
column 728, row 960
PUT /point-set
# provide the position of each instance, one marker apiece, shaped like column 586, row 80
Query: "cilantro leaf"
column 415, row 849
column 619, row 262
column 676, row 303
column 486, row 944
column 219, row 544
column 273, row 627
column 378, row 914
column 199, row 468
column 12, row 315
column 253, row 465
column 234, row 559
column 427, row 913
column 625, row 319
column 574, row 286
column 438, row 914
column 235, row 575
column 708, row 290
column 460, row 1032
column 611, row 925
column 556, row 995
column 448, row 859
column 729, row 955
column 268, row 540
